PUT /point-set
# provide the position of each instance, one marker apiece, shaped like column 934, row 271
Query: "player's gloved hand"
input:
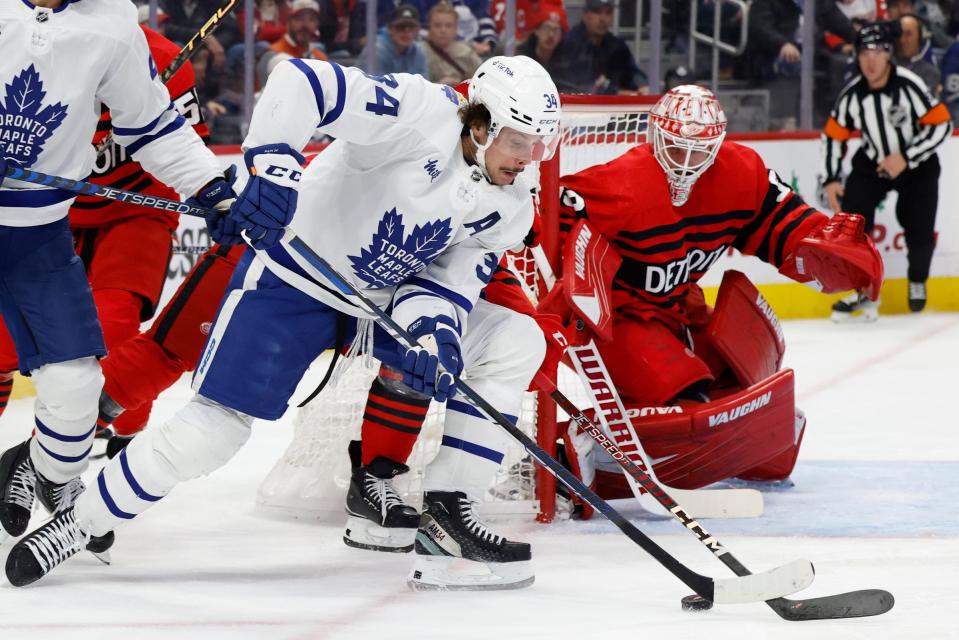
column 556, row 344
column 430, row 368
column 219, row 195
column 268, row 201
column 841, row 256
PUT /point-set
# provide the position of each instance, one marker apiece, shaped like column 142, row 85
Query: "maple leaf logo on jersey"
column 25, row 123
column 392, row 256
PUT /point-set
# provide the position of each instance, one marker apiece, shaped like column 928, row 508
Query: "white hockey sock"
column 198, row 440
column 66, row 415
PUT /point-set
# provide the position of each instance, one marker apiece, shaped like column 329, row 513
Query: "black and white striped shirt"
column 902, row 117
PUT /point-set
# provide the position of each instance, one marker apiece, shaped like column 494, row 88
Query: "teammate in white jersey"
column 415, row 202
column 61, row 60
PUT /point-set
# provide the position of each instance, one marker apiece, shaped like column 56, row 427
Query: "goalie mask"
column 686, row 128
column 524, row 108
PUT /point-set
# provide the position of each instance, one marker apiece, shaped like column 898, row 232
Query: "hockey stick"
column 701, row 503
column 854, row 604
column 190, row 47
column 782, row 580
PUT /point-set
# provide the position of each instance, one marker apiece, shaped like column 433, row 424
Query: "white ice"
column 876, row 504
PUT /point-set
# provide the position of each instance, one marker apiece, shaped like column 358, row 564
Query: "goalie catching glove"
column 268, row 201
column 431, row 367
column 840, row 256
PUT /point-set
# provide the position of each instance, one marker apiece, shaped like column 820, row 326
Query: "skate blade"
column 855, row 317
column 442, row 573
column 360, row 533
column 102, row 556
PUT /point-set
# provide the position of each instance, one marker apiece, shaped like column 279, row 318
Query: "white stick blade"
column 719, row 503
column 758, row 587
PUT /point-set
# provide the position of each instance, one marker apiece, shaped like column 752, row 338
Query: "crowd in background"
column 445, row 42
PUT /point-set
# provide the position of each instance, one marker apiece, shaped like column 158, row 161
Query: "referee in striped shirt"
column 902, row 125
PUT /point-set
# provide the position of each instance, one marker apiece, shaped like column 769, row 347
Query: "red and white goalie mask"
column 686, row 128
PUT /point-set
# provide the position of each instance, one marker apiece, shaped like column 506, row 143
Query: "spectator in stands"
column 269, row 20
column 895, row 9
column 529, row 15
column 594, row 60
column 450, row 60
column 396, row 48
column 912, row 46
column 542, row 44
column 343, row 26
column 773, row 57
column 302, row 37
column 186, row 19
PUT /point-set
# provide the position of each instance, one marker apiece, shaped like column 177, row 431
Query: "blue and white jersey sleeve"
column 303, row 96
column 452, row 283
column 148, row 125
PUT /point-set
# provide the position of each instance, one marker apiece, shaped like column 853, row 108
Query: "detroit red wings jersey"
column 115, row 168
column 737, row 202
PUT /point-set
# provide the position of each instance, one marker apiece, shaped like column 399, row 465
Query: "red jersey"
column 737, row 202
column 529, row 15
column 115, row 168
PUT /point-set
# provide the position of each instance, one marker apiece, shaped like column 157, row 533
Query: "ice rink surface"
column 876, row 505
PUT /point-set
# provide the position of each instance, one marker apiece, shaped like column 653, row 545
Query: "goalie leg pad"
column 781, row 466
column 694, row 445
column 650, row 363
column 745, row 330
column 197, row 441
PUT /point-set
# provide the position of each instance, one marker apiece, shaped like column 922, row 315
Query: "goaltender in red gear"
column 126, row 248
column 671, row 208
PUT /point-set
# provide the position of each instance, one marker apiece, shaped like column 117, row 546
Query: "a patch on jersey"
column 897, row 115
column 453, row 96
column 392, row 256
column 25, row 123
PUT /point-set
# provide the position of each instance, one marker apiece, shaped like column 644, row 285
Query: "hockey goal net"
column 310, row 480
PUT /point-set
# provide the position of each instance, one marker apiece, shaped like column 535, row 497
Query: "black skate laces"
column 22, row 487
column 473, row 523
column 381, row 490
column 56, row 541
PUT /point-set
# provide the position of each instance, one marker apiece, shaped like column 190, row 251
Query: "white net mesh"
column 311, row 478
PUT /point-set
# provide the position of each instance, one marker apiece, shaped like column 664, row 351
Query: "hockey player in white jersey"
column 414, row 203
column 61, row 60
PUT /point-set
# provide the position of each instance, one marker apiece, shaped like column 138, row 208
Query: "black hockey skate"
column 379, row 520
column 855, row 307
column 455, row 550
column 46, row 548
column 18, row 480
column 917, row 296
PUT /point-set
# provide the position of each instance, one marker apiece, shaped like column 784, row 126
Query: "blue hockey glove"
column 219, row 195
column 268, row 201
column 430, row 369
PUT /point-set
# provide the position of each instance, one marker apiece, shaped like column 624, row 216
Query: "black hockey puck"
column 696, row 602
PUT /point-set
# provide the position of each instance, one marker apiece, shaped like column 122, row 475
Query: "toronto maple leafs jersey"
column 58, row 67
column 391, row 204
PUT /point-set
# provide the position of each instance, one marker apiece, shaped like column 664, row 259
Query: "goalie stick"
column 701, row 503
column 854, row 604
column 768, row 586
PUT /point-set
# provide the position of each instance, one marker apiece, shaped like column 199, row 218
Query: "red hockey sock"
column 138, row 370
column 391, row 423
column 132, row 421
column 6, row 388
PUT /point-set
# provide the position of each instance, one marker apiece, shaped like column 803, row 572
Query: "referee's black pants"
column 918, row 191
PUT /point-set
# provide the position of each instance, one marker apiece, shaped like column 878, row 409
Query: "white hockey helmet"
column 523, row 104
column 686, row 128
